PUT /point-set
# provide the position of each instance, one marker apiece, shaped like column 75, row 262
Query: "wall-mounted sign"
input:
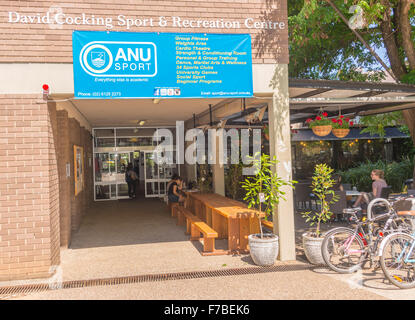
column 56, row 18
column 161, row 65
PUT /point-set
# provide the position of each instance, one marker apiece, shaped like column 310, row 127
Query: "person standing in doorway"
column 131, row 179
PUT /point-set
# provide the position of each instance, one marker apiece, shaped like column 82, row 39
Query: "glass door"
column 122, row 160
column 105, row 183
column 156, row 175
column 110, row 175
column 151, row 175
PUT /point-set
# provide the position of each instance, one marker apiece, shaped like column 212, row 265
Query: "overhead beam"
column 350, row 85
column 355, row 100
column 225, row 109
column 362, row 110
column 312, row 93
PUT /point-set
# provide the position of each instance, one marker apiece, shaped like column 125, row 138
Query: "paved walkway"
column 135, row 237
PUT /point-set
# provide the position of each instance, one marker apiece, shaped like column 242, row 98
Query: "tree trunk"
column 405, row 28
column 409, row 116
column 390, row 42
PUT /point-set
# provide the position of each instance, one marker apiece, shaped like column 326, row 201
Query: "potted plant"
column 321, row 125
column 322, row 187
column 341, row 126
column 263, row 192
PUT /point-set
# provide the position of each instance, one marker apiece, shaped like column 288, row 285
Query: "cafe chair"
column 385, row 192
column 338, row 206
column 302, row 197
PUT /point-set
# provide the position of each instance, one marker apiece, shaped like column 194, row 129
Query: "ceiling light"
column 155, row 101
column 141, row 123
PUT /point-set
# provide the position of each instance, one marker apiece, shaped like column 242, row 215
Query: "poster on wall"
column 115, row 65
column 78, row 168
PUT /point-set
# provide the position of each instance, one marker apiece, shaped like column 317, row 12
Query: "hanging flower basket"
column 321, row 131
column 321, row 125
column 340, row 133
column 341, row 126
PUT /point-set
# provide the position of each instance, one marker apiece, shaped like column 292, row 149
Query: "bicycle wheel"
column 397, row 261
column 343, row 250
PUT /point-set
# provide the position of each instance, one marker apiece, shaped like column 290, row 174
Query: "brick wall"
column 37, row 42
column 80, row 203
column 64, row 180
column 29, row 198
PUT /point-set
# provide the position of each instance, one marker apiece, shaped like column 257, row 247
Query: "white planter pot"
column 312, row 249
column 264, row 251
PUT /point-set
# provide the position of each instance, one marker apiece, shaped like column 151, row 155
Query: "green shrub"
column 395, row 174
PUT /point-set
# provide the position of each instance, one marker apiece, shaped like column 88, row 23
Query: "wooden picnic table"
column 231, row 219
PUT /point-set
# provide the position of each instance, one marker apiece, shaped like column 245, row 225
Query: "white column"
column 218, row 169
column 280, row 146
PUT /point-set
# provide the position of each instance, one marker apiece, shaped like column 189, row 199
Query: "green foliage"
column 323, row 47
column 204, row 181
column 322, row 185
column 375, row 124
column 409, row 78
column 320, row 120
column 373, row 11
column 395, row 174
column 266, row 182
column 233, row 179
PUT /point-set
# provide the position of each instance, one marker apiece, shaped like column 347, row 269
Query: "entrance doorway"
column 157, row 175
column 110, row 170
column 113, row 149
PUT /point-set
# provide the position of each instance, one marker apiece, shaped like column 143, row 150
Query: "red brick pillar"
column 76, row 201
column 29, row 190
column 64, row 180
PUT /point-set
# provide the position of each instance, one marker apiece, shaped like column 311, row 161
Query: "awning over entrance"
column 307, row 97
column 358, row 98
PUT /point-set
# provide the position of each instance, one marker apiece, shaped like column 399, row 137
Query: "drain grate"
column 13, row 291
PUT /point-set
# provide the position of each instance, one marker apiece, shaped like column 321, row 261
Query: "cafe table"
column 352, row 193
column 231, row 219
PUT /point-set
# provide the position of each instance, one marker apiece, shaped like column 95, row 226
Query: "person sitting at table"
column 378, row 183
column 174, row 188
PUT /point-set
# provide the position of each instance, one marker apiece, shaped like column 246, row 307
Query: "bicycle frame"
column 371, row 245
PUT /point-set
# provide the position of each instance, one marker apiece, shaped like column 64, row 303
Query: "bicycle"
column 397, row 255
column 346, row 250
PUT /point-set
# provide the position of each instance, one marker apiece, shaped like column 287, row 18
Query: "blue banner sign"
column 110, row 65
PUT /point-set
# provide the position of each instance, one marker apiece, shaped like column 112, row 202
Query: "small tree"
column 322, row 187
column 263, row 191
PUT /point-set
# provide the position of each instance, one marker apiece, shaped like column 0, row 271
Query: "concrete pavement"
column 128, row 238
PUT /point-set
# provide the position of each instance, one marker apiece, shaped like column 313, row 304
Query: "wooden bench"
column 172, row 208
column 179, row 214
column 190, row 218
column 195, row 226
